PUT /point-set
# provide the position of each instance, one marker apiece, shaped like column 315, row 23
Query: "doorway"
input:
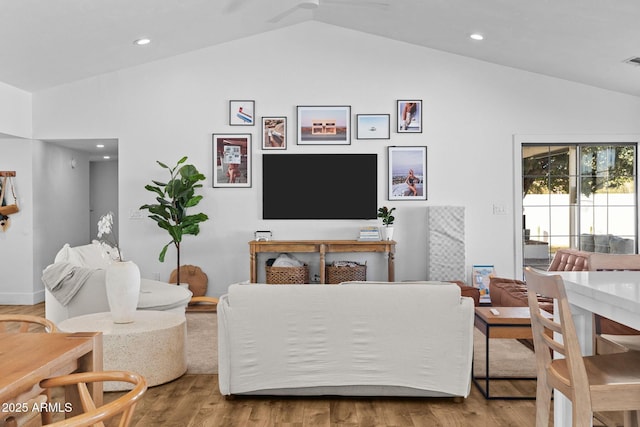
column 102, row 195
column 574, row 193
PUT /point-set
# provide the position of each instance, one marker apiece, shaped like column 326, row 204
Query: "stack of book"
column 369, row 233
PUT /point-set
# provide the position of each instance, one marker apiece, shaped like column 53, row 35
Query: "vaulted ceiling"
column 44, row 43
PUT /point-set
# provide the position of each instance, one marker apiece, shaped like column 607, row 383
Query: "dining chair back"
column 203, row 303
column 610, row 336
column 24, row 418
column 122, row 406
column 594, row 383
column 609, row 262
column 25, row 323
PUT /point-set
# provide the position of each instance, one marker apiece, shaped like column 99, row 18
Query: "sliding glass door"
column 578, row 195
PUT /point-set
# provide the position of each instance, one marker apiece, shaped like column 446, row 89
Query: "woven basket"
column 287, row 275
column 336, row 275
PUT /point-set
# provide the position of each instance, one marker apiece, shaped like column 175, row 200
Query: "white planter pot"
column 123, row 290
column 387, row 233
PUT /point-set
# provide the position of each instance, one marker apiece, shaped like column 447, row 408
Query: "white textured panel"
column 446, row 247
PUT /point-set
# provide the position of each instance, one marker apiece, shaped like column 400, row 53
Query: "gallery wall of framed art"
column 330, row 125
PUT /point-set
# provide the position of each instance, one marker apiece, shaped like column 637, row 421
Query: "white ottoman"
column 163, row 296
column 153, row 345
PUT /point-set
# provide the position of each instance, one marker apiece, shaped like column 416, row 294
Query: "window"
column 578, row 195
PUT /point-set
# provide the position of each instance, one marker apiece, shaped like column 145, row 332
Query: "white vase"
column 123, row 290
column 387, row 233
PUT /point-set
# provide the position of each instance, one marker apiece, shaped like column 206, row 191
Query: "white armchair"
column 92, row 296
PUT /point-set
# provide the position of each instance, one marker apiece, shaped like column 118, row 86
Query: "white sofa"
column 92, row 296
column 351, row 339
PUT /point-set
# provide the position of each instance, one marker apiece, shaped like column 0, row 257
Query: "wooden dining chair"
column 25, row 323
column 610, row 336
column 123, row 406
column 26, row 416
column 608, row 382
column 203, row 303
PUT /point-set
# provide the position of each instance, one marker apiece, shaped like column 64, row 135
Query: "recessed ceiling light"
column 476, row 36
column 106, row 157
column 142, row 41
column 100, row 145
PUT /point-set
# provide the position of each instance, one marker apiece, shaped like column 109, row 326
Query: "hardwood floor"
column 195, row 401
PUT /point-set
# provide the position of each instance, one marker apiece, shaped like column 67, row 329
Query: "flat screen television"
column 319, row 186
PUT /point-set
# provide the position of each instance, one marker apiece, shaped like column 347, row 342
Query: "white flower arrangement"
column 105, row 226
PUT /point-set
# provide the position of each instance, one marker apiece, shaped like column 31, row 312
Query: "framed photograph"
column 231, row 160
column 242, row 113
column 409, row 116
column 373, row 126
column 320, row 125
column 407, row 173
column 274, row 133
column 481, row 277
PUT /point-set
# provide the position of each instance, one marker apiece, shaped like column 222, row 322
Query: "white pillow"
column 63, row 254
column 92, row 255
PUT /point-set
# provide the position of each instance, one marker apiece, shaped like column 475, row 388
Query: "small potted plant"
column 387, row 217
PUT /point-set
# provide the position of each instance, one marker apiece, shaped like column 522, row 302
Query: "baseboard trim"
column 21, row 298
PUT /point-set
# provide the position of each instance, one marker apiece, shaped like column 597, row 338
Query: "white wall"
column 17, row 242
column 54, row 209
column 472, row 109
column 15, row 111
column 103, row 194
column 61, row 202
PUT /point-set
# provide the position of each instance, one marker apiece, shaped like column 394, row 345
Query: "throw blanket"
column 287, row 260
column 64, row 280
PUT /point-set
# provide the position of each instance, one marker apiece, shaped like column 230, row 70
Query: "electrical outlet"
column 499, row 209
column 135, row 214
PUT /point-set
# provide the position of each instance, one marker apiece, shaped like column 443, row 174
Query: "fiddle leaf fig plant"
column 385, row 213
column 173, row 199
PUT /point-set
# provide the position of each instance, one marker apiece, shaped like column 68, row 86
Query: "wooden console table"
column 322, row 247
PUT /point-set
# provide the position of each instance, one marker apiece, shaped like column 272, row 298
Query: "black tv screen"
column 319, row 186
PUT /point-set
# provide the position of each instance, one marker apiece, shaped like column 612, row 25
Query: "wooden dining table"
column 28, row 358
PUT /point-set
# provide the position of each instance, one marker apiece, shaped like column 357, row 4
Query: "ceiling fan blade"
column 283, row 15
column 234, row 5
column 365, row 3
